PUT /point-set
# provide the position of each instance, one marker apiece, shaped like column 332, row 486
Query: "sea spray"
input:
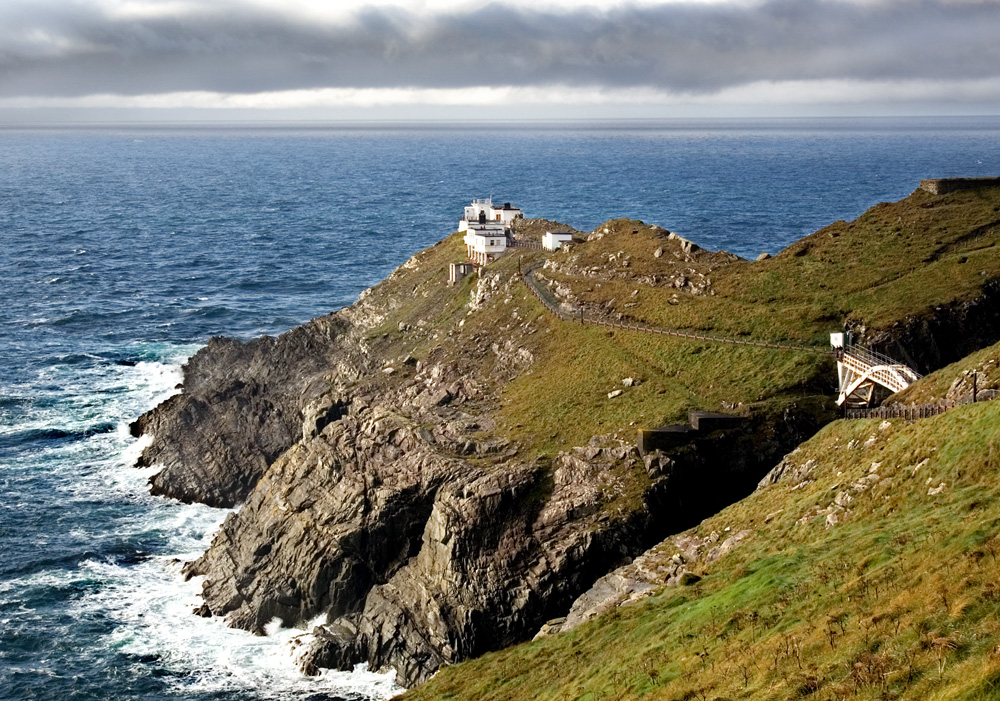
column 112, row 595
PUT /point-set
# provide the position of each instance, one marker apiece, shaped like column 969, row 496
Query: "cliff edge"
column 437, row 470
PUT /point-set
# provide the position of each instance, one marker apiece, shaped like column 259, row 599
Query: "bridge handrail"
column 874, row 359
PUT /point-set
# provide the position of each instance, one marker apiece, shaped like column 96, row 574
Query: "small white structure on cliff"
column 553, row 240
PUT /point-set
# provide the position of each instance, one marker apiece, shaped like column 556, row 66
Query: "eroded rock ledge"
column 421, row 538
column 243, row 405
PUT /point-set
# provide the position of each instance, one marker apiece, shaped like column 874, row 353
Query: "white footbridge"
column 860, row 369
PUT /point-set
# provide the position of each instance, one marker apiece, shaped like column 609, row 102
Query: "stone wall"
column 942, row 186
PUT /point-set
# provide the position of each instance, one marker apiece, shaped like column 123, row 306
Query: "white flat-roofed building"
column 485, row 242
column 506, row 214
column 483, row 210
column 553, row 240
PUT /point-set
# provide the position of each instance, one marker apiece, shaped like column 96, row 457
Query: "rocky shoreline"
column 377, row 487
column 364, row 496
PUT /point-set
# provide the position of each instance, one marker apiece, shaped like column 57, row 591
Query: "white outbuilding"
column 553, row 240
column 485, row 242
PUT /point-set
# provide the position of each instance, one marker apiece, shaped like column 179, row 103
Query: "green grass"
column 897, row 259
column 893, row 602
column 899, row 601
column 985, row 363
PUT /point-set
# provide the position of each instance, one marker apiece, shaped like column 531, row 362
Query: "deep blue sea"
column 124, row 248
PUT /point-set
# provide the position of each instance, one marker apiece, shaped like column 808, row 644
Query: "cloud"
column 696, row 49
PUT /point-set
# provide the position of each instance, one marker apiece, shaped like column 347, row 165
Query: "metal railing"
column 521, row 243
column 873, row 359
column 911, row 412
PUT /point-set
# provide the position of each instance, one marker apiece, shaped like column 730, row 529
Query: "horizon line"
column 473, row 121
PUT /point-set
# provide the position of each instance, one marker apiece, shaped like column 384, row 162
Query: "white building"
column 553, row 240
column 506, row 214
column 486, row 229
column 483, row 210
column 485, row 242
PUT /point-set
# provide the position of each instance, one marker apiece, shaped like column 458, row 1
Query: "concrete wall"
column 942, row 186
column 457, row 271
column 701, row 423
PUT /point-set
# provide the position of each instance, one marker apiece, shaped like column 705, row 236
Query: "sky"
column 68, row 60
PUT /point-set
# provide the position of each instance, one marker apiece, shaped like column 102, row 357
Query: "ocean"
column 124, row 248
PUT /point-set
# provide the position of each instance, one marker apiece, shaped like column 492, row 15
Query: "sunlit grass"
column 901, row 600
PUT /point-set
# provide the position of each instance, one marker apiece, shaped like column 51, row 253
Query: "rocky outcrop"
column 242, row 406
column 940, row 337
column 671, row 563
column 416, row 556
column 698, row 488
column 397, row 516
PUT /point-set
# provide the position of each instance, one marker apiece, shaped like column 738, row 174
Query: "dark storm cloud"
column 73, row 50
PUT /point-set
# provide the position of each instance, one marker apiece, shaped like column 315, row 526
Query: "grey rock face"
column 943, row 336
column 243, row 405
column 384, row 503
column 421, row 536
column 389, row 504
column 417, row 557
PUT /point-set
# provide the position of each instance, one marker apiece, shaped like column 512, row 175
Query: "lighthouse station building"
column 487, row 228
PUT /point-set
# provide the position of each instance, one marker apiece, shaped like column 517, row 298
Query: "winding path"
column 550, row 303
column 903, row 412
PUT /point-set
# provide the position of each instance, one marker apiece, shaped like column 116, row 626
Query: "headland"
column 444, row 470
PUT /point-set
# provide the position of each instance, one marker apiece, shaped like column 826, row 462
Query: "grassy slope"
column 954, row 382
column 561, row 400
column 896, row 260
column 898, row 600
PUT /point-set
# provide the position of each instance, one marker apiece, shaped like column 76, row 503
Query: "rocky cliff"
column 435, row 471
column 243, row 405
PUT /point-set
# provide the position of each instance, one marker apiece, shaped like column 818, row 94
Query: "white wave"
column 150, row 602
column 152, row 607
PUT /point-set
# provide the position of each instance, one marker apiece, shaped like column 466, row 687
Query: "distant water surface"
column 123, row 249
